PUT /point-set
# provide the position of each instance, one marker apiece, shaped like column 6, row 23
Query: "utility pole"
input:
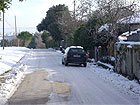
column 74, row 8
column 3, row 30
column 15, row 26
column 16, row 31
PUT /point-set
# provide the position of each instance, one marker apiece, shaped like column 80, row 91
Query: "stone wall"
column 127, row 56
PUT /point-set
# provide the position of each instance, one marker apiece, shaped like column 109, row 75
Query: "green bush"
column 50, row 44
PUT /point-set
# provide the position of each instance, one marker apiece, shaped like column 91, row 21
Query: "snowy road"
column 51, row 83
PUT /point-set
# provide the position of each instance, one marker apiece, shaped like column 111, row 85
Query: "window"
column 76, row 50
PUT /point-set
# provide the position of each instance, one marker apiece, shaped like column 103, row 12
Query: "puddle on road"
column 60, row 91
column 58, row 87
column 61, row 88
column 36, row 88
column 60, row 94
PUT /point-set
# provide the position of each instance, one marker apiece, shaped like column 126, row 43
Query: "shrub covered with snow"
column 108, row 59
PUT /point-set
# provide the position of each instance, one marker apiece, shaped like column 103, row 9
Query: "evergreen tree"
column 57, row 22
column 32, row 44
column 25, row 38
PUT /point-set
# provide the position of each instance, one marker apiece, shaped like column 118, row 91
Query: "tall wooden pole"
column 16, row 31
column 3, row 30
column 74, row 8
column 15, row 26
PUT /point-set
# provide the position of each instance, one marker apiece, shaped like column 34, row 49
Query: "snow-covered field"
column 11, row 70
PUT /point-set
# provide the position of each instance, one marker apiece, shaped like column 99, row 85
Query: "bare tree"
column 68, row 26
column 39, row 43
column 84, row 9
column 111, row 11
column 114, row 10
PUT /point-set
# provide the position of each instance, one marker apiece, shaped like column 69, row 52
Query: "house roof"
column 103, row 27
column 129, row 43
column 134, row 19
column 124, row 36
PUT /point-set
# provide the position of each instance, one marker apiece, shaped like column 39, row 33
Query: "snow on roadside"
column 59, row 51
column 108, row 65
column 10, row 56
column 12, row 79
column 9, row 81
column 119, row 81
column 2, row 101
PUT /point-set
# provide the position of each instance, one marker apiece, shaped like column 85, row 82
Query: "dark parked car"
column 74, row 54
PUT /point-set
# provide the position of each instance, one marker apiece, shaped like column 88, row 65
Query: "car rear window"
column 76, row 50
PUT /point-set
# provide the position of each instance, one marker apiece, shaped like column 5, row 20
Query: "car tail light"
column 85, row 55
column 68, row 55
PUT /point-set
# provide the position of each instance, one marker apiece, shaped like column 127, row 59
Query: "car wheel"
column 62, row 62
column 85, row 64
column 66, row 64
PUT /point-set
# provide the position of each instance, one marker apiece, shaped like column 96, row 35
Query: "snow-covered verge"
column 119, row 81
column 109, row 66
column 59, row 51
column 10, row 56
column 10, row 61
column 12, row 80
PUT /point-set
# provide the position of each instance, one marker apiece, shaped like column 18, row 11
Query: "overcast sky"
column 29, row 13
